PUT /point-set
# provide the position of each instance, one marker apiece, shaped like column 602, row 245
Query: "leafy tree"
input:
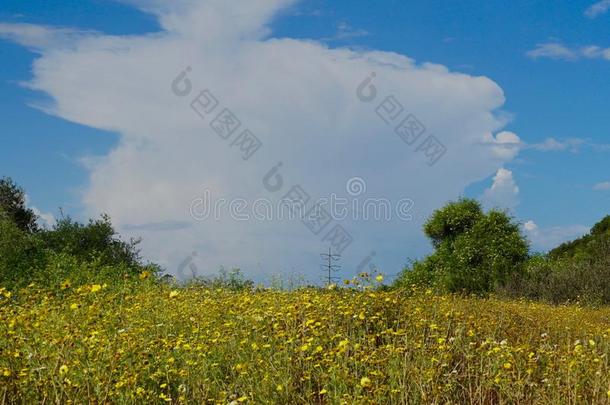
column 452, row 221
column 97, row 239
column 474, row 251
column 13, row 206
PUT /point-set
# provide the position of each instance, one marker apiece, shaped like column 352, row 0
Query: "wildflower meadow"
column 143, row 341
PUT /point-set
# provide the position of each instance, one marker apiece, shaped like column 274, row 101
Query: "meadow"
column 152, row 342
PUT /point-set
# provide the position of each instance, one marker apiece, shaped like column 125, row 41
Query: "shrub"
column 566, row 279
column 98, row 239
column 587, row 247
column 474, row 252
column 21, row 253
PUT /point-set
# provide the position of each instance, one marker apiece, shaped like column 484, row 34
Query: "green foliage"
column 587, row 247
column 13, row 207
column 69, row 250
column 565, row 280
column 475, row 252
column 97, row 239
column 232, row 280
column 21, row 254
column 453, row 220
column 575, row 271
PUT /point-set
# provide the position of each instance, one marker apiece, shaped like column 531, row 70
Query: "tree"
column 475, row 252
column 13, row 206
column 97, row 239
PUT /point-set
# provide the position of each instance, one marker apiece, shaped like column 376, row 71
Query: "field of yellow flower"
column 145, row 342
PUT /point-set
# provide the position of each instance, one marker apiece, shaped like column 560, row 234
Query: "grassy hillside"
column 149, row 342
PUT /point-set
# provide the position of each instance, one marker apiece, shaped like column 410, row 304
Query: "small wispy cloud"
column 553, row 145
column 603, row 186
column 559, row 51
column 346, row 31
column 597, row 9
column 552, row 50
column 38, row 37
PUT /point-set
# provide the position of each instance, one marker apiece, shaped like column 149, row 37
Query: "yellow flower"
column 144, row 275
column 379, row 278
column 323, row 391
column 508, row 366
column 63, row 370
column 95, row 288
column 173, row 294
column 66, row 284
column 6, row 373
column 279, row 388
column 74, row 306
column 365, row 382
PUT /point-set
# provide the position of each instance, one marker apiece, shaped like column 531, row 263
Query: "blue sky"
column 540, row 54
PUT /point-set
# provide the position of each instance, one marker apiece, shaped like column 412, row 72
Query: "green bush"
column 82, row 253
column 97, row 239
column 21, row 254
column 579, row 278
column 233, row 280
column 475, row 252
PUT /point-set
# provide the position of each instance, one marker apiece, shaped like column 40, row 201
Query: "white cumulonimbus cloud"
column 327, row 114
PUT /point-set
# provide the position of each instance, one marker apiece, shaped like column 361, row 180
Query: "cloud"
column 530, row 226
column 503, row 193
column 45, row 219
column 603, row 186
column 346, row 31
column 553, row 145
column 38, row 37
column 504, row 145
column 552, row 50
column 299, row 97
column 597, row 9
column 159, row 226
column 558, row 51
column 544, row 239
